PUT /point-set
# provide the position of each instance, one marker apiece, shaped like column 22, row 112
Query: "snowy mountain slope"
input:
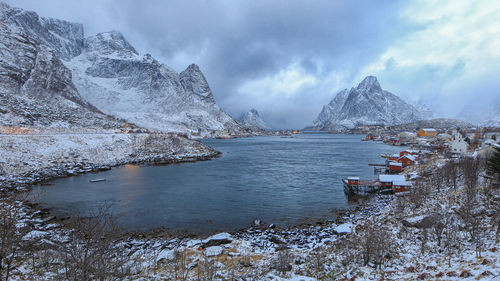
column 36, row 88
column 366, row 104
column 64, row 38
column 112, row 75
column 251, row 119
column 108, row 73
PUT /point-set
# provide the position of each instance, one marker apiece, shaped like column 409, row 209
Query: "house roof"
column 409, row 156
column 353, row 178
column 401, row 183
column 391, row 178
column 395, row 164
column 429, row 130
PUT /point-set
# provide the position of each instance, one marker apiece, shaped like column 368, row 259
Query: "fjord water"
column 277, row 180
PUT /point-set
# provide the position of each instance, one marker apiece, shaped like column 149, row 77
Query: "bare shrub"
column 15, row 241
column 92, row 251
column 283, row 261
column 418, row 194
column 207, row 269
column 179, row 265
column 451, row 239
column 376, row 244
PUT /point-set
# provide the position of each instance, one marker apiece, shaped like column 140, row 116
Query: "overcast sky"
column 288, row 58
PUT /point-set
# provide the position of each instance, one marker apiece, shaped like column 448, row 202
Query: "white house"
column 458, row 144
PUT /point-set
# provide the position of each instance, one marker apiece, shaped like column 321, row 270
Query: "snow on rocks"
column 422, row 221
column 213, row 251
column 217, row 240
column 344, row 228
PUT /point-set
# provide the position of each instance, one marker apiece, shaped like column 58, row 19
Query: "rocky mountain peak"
column 251, row 119
column 366, row 104
column 63, row 37
column 370, row 83
column 193, row 81
column 109, row 43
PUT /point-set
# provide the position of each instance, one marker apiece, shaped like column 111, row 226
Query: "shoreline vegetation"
column 447, row 226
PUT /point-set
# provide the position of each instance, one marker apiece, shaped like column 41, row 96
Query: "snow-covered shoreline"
column 33, row 158
column 316, row 251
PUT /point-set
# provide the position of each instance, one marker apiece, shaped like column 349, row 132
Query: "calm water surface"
column 278, row 180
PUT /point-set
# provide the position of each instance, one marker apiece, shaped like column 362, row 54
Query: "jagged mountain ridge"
column 35, row 86
column 112, row 75
column 366, row 104
column 251, row 119
column 106, row 74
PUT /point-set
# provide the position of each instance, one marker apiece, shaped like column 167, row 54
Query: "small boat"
column 97, row 180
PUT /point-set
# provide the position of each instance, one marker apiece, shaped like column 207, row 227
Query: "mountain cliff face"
column 110, row 74
column 35, row 86
column 102, row 74
column 251, row 119
column 366, row 104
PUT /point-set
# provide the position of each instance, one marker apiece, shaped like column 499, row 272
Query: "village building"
column 407, row 160
column 458, row 145
column 353, row 180
column 389, row 180
column 427, row 132
column 409, row 152
column 395, row 167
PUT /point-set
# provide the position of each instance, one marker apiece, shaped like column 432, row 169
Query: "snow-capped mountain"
column 251, row 119
column 35, row 86
column 111, row 74
column 366, row 104
column 104, row 73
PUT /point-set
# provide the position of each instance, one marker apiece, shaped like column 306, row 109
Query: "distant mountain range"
column 366, row 104
column 251, row 119
column 51, row 75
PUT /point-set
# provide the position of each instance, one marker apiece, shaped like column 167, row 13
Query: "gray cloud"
column 241, row 43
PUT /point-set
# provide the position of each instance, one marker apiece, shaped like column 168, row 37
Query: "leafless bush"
column 15, row 243
column 207, row 269
column 180, row 265
column 418, row 194
column 376, row 244
column 92, row 251
column 283, row 261
column 317, row 259
column 451, row 238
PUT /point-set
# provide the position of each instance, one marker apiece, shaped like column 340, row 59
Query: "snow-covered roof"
column 395, row 164
column 409, row 156
column 391, row 178
column 429, row 130
column 353, row 178
column 401, row 183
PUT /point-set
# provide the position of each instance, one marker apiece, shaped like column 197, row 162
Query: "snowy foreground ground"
column 446, row 230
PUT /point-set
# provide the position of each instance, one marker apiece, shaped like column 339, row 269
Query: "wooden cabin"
column 409, row 152
column 388, row 180
column 395, row 167
column 407, row 160
column 401, row 186
column 353, row 180
column 427, row 132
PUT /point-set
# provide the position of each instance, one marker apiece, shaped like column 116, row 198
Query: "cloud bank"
column 289, row 58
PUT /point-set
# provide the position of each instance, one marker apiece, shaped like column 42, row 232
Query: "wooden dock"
column 364, row 188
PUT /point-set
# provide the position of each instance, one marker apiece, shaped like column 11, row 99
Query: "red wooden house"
column 407, row 160
column 409, row 152
column 395, row 167
column 353, row 180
